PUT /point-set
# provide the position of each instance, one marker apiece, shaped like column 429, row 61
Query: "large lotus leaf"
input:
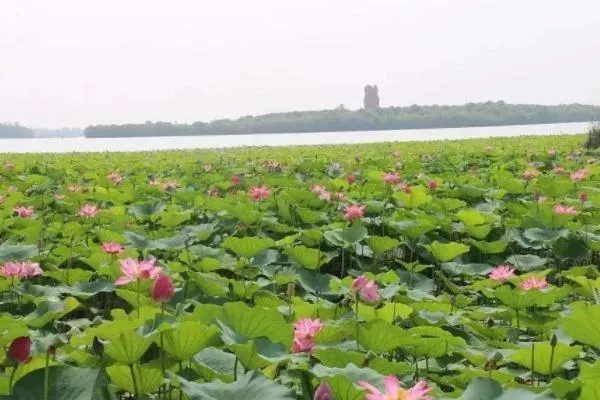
column 309, row 216
column 527, row 262
column 343, row 389
column 447, row 251
column 494, row 247
column 251, row 386
column 127, row 347
column 217, row 364
column 173, row 218
column 309, row 258
column 589, row 375
column 553, row 187
column 148, row 379
column 350, row 372
column 545, row 235
column 381, row 244
column 414, row 229
column 315, row 282
column 475, row 217
column 146, row 209
column 389, row 312
column 479, row 231
column 381, row 337
column 541, row 355
column 66, row 383
column 454, row 268
column 248, row 246
column 254, row 322
column 211, row 284
column 138, row 241
column 489, row 389
column 49, row 311
column 518, row 299
column 418, row 196
column 10, row 252
column 347, row 237
column 187, row 339
column 583, row 324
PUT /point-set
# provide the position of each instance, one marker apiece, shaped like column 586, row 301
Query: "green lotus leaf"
column 187, row 339
column 309, row 258
column 147, row 378
column 248, row 246
column 447, row 251
column 541, row 354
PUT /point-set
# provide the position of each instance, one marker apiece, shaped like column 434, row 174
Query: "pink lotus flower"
column 169, row 185
column 323, row 392
column 163, row 289
column 552, row 152
column 59, row 196
column 533, row 283
column 502, row 273
column 531, row 173
column 88, row 211
column 579, row 175
column 212, row 192
column 351, row 179
column 340, row 196
column 9, row 165
column 259, row 193
column 115, row 178
column 432, row 184
column 396, row 154
column 302, row 345
column 583, row 197
column 235, row 180
column 307, row 328
column 366, row 289
column 25, row 269
column 325, row 195
column 207, row 168
column 559, row 209
column 74, row 188
column 317, row 188
column 20, row 350
column 137, row 270
column 405, row 187
column 391, row 178
column 354, row 211
column 112, row 248
column 558, row 170
column 393, row 391
column 272, row 165
column 23, row 212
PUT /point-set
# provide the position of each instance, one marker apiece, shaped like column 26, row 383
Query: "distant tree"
column 14, row 130
column 371, row 100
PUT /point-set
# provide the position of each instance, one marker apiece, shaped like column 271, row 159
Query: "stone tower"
column 371, row 100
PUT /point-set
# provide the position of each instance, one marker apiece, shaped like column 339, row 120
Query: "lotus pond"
column 463, row 269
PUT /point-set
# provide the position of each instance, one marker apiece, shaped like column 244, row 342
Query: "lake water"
column 67, row 145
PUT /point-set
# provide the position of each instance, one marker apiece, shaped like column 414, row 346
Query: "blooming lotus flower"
column 559, row 209
column 558, row 170
column 163, row 289
column 115, row 178
column 88, row 211
column 579, row 175
column 20, row 350
column 351, row 179
column 9, row 165
column 325, row 195
column 137, row 270
column 366, row 289
column 323, row 392
column 207, row 168
column 354, row 211
column 340, row 196
column 302, row 345
column 23, row 212
column 307, row 328
column 533, row 283
column 272, row 164
column 75, row 188
column 259, row 193
column 11, row 270
column 405, row 187
column 391, row 178
column 29, row 270
column 393, row 391
column 317, row 188
column 212, row 192
column 487, row 148
column 235, row 180
column 530, row 173
column 502, row 273
column 112, row 248
column 552, row 152
column 396, row 154
column 432, row 184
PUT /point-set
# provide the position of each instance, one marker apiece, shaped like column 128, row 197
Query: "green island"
column 448, row 270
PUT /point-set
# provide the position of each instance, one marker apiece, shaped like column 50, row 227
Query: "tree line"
column 8, row 130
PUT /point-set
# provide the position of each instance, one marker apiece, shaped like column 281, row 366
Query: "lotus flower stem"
column 46, row 376
column 235, row 367
column 135, row 385
column 532, row 362
column 356, row 321
column 162, row 346
column 12, row 377
column 138, row 298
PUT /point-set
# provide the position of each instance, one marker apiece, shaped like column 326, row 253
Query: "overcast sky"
column 81, row 62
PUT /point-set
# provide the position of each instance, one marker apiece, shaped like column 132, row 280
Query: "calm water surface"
column 67, row 145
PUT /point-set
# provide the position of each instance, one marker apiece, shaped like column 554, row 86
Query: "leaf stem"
column 46, row 376
column 135, row 385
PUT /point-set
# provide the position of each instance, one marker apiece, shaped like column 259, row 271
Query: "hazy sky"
column 80, row 62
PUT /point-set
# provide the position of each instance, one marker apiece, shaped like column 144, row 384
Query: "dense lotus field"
column 382, row 272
